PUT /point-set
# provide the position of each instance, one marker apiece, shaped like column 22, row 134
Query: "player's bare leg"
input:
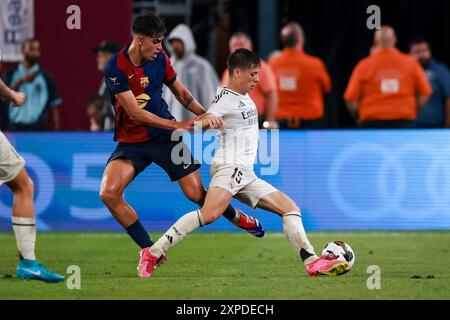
column 193, row 189
column 279, row 203
column 24, row 226
column 23, row 189
column 117, row 176
column 23, row 216
column 217, row 200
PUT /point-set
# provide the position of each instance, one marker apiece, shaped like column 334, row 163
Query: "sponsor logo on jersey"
column 249, row 114
column 142, row 100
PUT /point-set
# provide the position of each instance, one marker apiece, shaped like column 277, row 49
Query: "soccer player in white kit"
column 14, row 175
column 232, row 173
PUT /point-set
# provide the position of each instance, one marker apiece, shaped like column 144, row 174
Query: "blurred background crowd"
column 322, row 67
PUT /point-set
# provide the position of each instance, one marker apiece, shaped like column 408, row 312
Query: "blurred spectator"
column 40, row 89
column 387, row 88
column 302, row 81
column 94, row 111
column 265, row 93
column 195, row 72
column 105, row 117
column 436, row 113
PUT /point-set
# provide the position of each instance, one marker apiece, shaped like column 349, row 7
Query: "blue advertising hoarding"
column 342, row 180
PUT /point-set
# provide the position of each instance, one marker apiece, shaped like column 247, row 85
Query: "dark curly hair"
column 148, row 24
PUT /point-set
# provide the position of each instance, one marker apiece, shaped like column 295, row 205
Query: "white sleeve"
column 219, row 106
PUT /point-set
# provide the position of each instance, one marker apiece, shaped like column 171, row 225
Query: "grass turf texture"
column 414, row 265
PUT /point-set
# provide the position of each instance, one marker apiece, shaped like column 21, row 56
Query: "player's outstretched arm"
column 184, row 96
column 129, row 103
column 209, row 121
column 17, row 98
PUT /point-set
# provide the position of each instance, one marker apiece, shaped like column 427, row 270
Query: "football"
column 340, row 250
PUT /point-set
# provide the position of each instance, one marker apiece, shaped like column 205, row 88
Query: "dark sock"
column 305, row 254
column 230, row 213
column 139, row 235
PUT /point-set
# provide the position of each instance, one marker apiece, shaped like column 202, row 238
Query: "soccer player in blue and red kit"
column 143, row 128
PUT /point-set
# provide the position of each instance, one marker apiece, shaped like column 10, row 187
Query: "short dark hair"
column 416, row 40
column 148, row 24
column 29, row 40
column 95, row 100
column 242, row 59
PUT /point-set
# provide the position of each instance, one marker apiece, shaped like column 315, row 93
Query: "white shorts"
column 10, row 161
column 242, row 183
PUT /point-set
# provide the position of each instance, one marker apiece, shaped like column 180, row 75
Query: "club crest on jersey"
column 144, row 82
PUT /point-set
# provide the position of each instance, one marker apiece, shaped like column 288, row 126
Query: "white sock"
column 186, row 224
column 295, row 233
column 25, row 231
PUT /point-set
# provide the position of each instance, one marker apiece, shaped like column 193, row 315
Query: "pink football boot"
column 148, row 262
column 324, row 266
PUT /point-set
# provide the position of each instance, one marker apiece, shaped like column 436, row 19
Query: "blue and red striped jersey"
column 146, row 82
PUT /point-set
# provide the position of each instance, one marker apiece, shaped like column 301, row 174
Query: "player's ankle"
column 157, row 252
column 307, row 256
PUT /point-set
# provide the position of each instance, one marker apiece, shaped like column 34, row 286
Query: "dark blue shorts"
column 159, row 151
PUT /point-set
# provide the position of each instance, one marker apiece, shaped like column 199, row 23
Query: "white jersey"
column 238, row 142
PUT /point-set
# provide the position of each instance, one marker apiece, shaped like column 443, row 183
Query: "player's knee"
column 290, row 206
column 290, row 209
column 295, row 208
column 110, row 194
column 28, row 186
column 24, row 185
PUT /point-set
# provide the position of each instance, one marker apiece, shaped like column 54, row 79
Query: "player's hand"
column 17, row 98
column 209, row 121
column 215, row 122
column 187, row 125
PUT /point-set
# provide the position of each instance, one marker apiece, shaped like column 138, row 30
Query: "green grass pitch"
column 414, row 265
